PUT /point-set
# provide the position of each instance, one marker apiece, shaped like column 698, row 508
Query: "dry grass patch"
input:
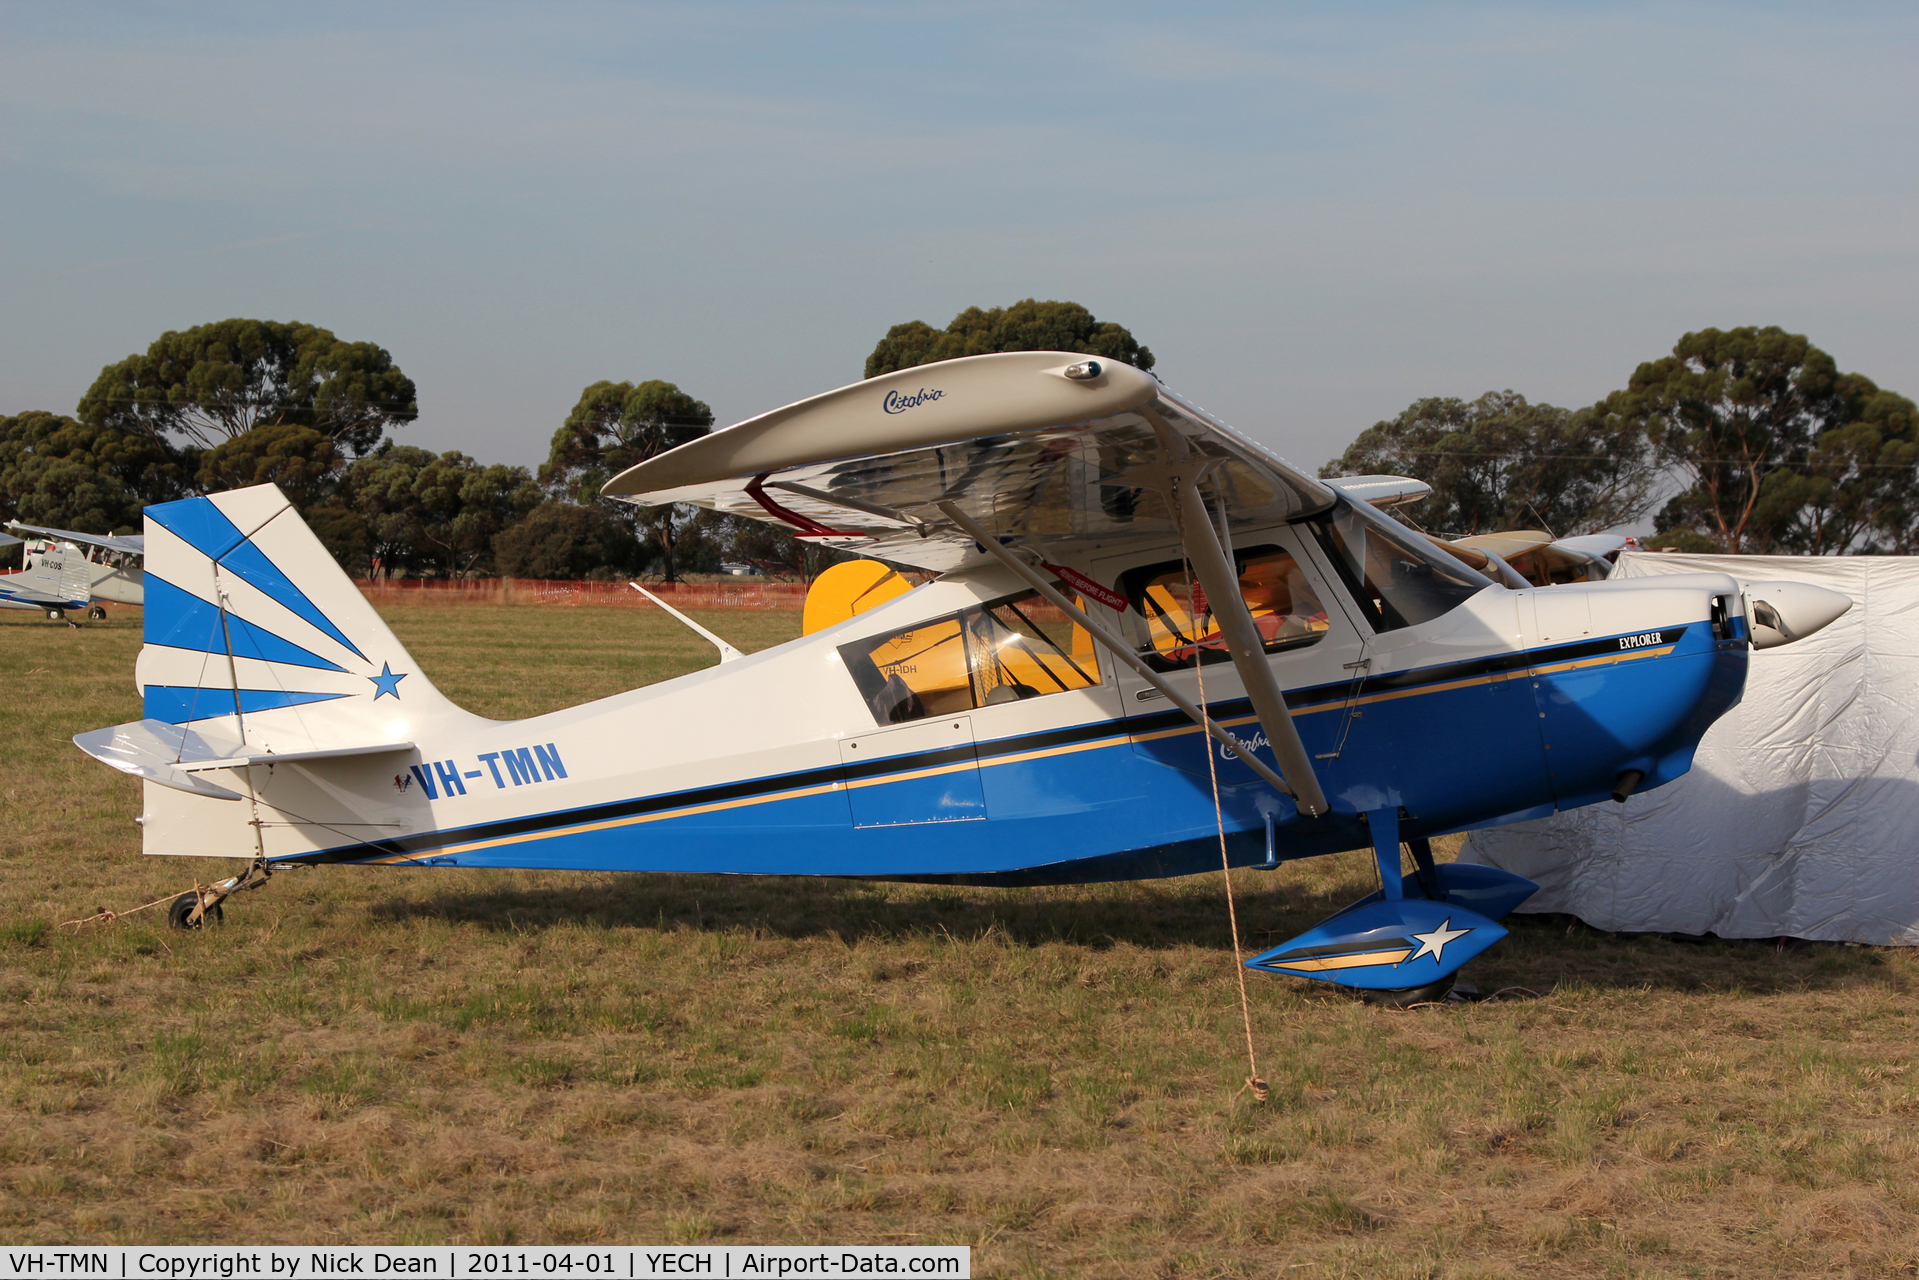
column 414, row 1055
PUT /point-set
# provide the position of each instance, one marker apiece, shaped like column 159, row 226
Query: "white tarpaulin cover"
column 1800, row 817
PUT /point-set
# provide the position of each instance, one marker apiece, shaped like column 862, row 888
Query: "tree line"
column 242, row 402
column 1746, row 440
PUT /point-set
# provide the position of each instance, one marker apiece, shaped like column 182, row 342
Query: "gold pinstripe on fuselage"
column 1117, row 739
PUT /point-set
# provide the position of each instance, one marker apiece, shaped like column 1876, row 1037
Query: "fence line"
column 542, row 591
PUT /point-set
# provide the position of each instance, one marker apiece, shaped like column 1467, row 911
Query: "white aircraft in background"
column 62, row 570
column 1516, row 558
column 1538, row 559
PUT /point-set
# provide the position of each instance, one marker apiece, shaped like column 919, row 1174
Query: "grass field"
column 421, row 1056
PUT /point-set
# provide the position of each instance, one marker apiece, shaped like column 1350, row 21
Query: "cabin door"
column 923, row 772
column 1311, row 643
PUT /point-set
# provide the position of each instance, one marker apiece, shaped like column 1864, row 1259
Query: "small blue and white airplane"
column 1145, row 628
column 63, row 571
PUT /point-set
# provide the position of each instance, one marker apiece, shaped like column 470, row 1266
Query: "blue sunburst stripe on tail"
column 180, row 704
column 206, row 528
column 181, row 620
column 200, row 524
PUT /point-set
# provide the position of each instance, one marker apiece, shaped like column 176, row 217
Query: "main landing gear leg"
column 1384, row 826
column 1426, row 869
column 193, row 910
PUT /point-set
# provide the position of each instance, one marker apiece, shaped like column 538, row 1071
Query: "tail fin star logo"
column 387, row 682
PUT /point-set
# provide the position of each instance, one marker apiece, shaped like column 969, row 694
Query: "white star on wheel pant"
column 1435, row 942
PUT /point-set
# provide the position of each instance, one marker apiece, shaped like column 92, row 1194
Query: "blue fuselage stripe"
column 1134, row 793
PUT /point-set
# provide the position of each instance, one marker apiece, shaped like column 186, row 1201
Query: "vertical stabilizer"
column 254, row 633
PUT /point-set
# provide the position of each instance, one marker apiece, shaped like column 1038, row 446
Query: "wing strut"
column 1119, row 648
column 1248, row 651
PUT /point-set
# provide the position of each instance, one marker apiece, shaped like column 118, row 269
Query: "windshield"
column 1399, row 579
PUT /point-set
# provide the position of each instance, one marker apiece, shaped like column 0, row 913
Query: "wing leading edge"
column 132, row 544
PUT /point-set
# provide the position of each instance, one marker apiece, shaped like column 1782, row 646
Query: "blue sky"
column 1312, row 214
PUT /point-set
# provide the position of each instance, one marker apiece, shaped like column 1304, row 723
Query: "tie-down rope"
column 1254, row 1080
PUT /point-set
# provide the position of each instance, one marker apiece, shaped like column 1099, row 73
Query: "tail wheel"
column 56, row 615
column 1401, row 997
column 98, row 613
column 182, row 908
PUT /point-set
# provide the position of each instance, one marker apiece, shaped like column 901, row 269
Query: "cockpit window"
column 1398, row 578
column 1180, row 625
column 1006, row 651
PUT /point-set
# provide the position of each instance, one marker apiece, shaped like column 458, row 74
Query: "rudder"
column 248, row 620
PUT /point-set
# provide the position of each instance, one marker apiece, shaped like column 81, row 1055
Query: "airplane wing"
column 8, row 540
column 1591, row 546
column 1048, row 447
column 947, row 465
column 135, row 544
column 1508, row 545
column 1382, row 491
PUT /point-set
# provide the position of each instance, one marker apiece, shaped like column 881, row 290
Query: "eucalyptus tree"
column 1779, row 451
column 434, row 513
column 1028, row 325
column 218, row 381
column 616, row 425
column 1500, row 462
column 77, row 475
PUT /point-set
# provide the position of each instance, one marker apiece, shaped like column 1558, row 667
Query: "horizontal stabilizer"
column 295, row 757
column 1385, row 946
column 172, row 754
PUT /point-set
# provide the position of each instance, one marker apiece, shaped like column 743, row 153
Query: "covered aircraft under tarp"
column 1798, row 816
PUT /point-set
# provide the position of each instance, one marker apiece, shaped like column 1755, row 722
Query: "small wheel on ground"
column 98, row 613
column 1407, row 997
column 183, row 907
column 56, row 615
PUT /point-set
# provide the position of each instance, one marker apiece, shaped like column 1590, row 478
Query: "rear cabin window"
column 1180, row 625
column 1007, row 651
column 1398, row 578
